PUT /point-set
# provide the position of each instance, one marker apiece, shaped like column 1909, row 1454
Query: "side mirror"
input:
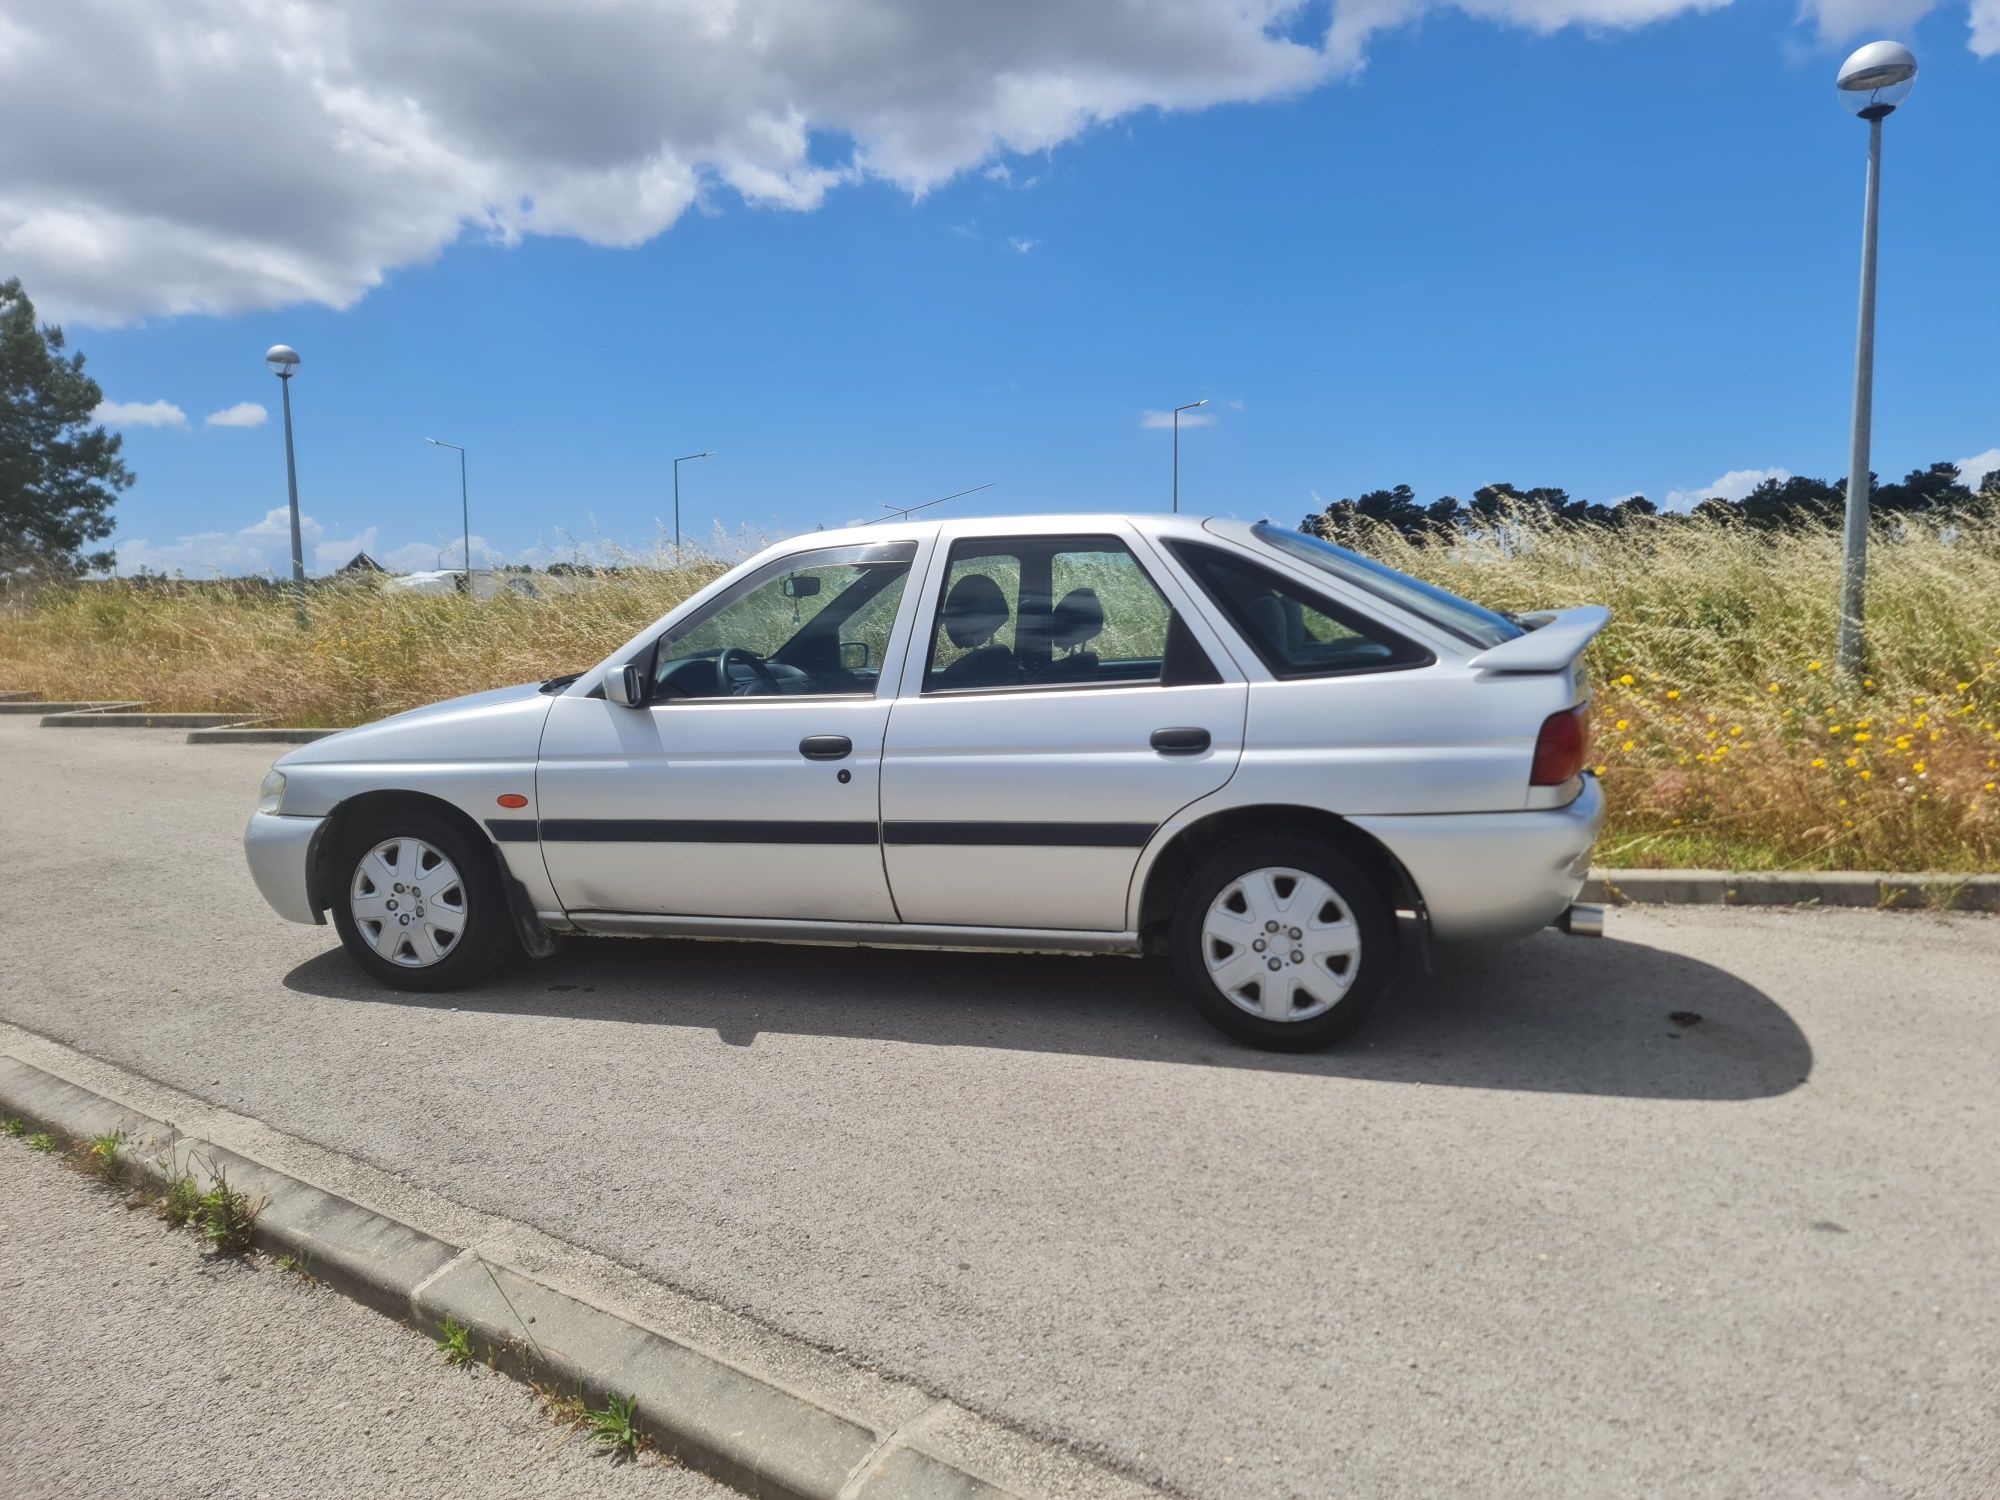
column 625, row 686
column 854, row 655
column 801, row 586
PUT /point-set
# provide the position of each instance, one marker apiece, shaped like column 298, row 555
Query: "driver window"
column 814, row 624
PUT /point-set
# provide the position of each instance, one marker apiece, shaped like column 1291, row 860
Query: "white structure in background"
column 486, row 583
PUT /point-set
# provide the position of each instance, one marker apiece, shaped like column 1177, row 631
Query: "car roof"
column 1058, row 523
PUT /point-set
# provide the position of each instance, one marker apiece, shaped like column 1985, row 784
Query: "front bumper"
column 280, row 851
column 1495, row 875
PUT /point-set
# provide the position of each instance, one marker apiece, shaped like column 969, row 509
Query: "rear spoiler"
column 1556, row 641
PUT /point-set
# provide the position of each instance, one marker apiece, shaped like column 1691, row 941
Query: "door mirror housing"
column 801, row 586
column 855, row 655
column 626, row 686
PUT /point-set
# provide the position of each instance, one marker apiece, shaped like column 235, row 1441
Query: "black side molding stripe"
column 1041, row 835
column 747, row 831
column 701, row 831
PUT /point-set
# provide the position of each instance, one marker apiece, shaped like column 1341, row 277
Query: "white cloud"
column 1985, row 25
column 242, row 414
column 1843, row 20
column 1157, row 419
column 1731, row 486
column 1977, row 467
column 229, row 155
column 139, row 414
column 263, row 548
column 1023, row 246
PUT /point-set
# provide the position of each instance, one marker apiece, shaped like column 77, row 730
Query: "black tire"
column 488, row 932
column 1371, row 969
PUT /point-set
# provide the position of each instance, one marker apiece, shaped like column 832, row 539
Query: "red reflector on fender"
column 511, row 799
column 1561, row 746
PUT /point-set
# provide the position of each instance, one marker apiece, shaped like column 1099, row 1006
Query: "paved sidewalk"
column 133, row 1365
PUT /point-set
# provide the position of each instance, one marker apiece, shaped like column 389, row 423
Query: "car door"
column 747, row 782
column 1060, row 701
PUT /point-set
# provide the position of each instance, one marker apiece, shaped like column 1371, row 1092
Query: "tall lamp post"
column 464, row 508
column 1177, row 448
column 1872, row 83
column 684, row 458
column 282, row 360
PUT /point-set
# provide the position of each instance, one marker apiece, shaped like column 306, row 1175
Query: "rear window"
column 1468, row 621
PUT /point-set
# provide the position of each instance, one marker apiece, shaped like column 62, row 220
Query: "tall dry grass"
column 1721, row 732
column 1721, row 735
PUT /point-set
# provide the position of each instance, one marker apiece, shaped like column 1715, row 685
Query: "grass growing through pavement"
column 614, row 1427
column 455, row 1340
column 104, row 1156
column 1721, row 735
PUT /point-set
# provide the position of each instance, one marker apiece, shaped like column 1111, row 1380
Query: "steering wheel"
column 725, row 685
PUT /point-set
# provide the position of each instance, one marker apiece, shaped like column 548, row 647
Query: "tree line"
column 1775, row 505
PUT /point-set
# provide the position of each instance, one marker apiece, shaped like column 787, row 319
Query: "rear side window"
column 1295, row 632
column 1053, row 612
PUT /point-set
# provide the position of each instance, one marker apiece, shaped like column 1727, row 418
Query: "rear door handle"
column 826, row 747
column 1186, row 740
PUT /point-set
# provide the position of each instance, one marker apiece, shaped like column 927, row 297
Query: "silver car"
column 1230, row 743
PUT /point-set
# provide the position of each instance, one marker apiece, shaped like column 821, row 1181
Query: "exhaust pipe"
column 1583, row 919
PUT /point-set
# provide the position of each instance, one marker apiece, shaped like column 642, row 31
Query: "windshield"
column 1464, row 619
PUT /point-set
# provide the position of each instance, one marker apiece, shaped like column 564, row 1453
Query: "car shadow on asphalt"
column 1551, row 1014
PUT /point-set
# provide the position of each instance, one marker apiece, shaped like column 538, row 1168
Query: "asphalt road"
column 137, row 1365
column 1528, row 1237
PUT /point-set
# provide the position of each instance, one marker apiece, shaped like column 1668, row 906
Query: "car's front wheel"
column 419, row 904
column 1283, row 943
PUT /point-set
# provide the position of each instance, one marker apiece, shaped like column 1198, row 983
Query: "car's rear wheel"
column 1283, row 943
column 418, row 904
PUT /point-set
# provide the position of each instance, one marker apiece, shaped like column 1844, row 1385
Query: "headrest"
column 974, row 611
column 1077, row 618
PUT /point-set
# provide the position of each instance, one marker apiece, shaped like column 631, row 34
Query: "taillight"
column 1561, row 746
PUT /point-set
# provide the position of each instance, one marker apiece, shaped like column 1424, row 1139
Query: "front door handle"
column 826, row 747
column 1186, row 740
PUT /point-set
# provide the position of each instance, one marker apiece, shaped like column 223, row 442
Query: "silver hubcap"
column 408, row 902
column 1281, row 945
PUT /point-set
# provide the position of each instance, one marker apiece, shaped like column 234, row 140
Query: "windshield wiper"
column 557, row 684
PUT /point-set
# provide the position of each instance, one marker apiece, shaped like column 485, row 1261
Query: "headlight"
column 271, row 795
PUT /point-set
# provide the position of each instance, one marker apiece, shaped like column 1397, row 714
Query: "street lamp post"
column 1872, row 83
column 1177, row 448
column 685, row 457
column 281, row 360
column 464, row 509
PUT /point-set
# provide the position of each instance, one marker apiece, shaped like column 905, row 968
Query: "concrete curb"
column 81, row 707
column 246, row 735
column 1871, row 889
column 759, row 1410
column 116, row 718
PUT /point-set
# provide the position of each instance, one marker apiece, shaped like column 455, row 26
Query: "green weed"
column 456, row 1342
column 614, row 1427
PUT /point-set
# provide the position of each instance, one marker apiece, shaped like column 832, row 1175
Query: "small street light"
column 464, row 509
column 1177, row 448
column 684, row 458
column 282, row 360
column 1872, row 83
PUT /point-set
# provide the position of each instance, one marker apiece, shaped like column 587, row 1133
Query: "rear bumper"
column 280, row 850
column 1495, row 875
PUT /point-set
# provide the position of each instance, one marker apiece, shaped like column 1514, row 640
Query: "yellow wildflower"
column 1626, row 680
column 1861, row 735
column 1626, row 746
column 1624, row 724
column 1819, row 765
column 1812, row 666
column 1917, row 766
column 1673, row 692
column 1867, row 775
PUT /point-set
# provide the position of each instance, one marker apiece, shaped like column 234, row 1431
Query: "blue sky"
column 1491, row 254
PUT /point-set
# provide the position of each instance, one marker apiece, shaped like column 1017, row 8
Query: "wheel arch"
column 322, row 861
column 1177, row 858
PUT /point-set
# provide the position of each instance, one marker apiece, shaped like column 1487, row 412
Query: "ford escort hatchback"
column 1231, row 743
